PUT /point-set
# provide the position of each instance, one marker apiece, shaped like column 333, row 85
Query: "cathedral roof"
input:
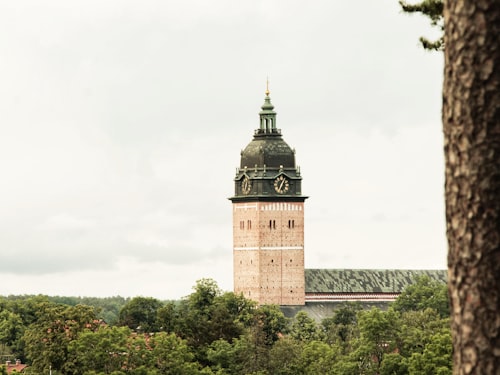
column 365, row 281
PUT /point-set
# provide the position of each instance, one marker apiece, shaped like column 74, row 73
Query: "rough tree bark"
column 471, row 124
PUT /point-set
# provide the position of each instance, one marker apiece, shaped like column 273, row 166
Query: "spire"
column 267, row 115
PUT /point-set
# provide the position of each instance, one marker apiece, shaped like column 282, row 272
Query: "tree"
column 318, row 358
column 224, row 357
column 11, row 331
column 471, row 125
column 207, row 315
column 342, row 325
column 140, row 314
column 425, row 293
column 379, row 331
column 271, row 322
column 167, row 317
column 436, row 357
column 48, row 338
column 418, row 328
column 393, row 364
column 305, row 328
column 104, row 350
column 195, row 312
column 172, row 355
column 285, row 357
column 434, row 10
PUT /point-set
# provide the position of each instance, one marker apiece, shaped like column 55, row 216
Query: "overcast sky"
column 121, row 125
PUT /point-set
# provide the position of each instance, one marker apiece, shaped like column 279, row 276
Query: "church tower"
column 268, row 218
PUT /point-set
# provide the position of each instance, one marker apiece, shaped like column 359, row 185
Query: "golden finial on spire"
column 267, row 86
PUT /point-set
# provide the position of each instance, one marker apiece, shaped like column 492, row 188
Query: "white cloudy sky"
column 121, row 124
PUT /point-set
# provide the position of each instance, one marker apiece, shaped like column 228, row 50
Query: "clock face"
column 281, row 184
column 246, row 185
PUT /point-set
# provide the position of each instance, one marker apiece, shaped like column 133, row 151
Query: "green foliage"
column 436, row 359
column 106, row 308
column 418, row 328
column 379, row 332
column 343, row 324
column 285, row 357
column 318, row 358
column 172, row 355
column 425, row 293
column 140, row 314
column 205, row 292
column 270, row 322
column 11, row 331
column 208, row 315
column 241, row 356
column 212, row 332
column 108, row 354
column 305, row 328
column 48, row 338
column 223, row 357
column 167, row 317
column 433, row 9
column 393, row 364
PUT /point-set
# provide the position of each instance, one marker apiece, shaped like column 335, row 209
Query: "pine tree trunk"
column 471, row 123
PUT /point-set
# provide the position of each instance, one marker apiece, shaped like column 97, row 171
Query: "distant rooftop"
column 333, row 281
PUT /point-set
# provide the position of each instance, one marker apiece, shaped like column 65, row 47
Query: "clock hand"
column 281, row 185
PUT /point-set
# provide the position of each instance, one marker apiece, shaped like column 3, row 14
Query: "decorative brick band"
column 333, row 297
column 271, row 248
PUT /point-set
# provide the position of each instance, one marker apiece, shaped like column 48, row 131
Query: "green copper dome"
column 266, row 162
column 268, row 147
column 272, row 152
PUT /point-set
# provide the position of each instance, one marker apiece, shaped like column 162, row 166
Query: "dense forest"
column 215, row 332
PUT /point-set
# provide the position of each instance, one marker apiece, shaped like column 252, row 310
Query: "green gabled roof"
column 365, row 281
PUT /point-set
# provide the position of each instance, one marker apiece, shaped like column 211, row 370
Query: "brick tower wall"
column 268, row 240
